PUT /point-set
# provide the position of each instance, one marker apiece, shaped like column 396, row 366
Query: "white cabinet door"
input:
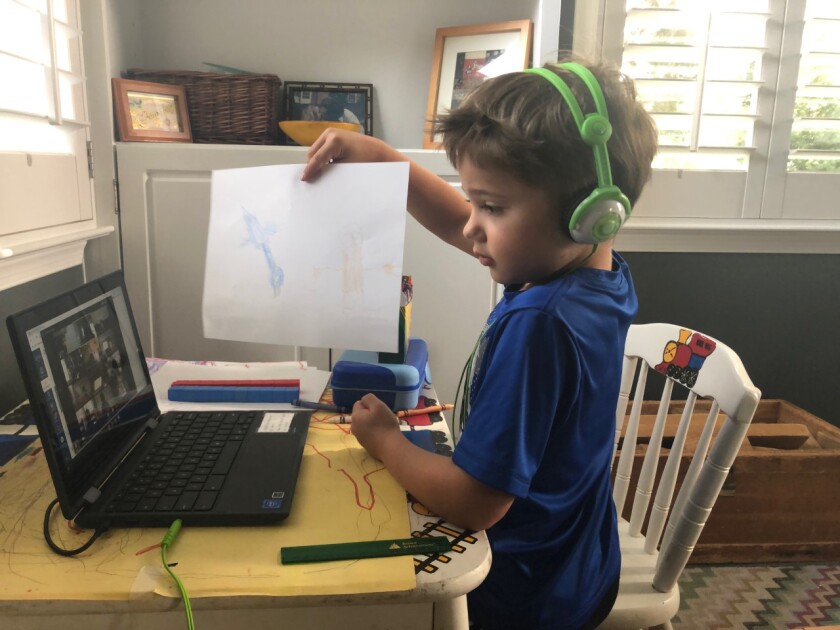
column 165, row 211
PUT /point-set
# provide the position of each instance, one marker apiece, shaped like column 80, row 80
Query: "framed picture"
column 151, row 112
column 467, row 55
column 342, row 102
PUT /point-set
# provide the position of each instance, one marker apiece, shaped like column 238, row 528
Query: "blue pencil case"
column 357, row 373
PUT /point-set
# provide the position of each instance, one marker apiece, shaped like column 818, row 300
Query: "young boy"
column 532, row 465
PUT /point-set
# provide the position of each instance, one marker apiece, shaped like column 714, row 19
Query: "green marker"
column 367, row 549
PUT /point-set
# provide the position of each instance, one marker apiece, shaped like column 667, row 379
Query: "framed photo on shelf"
column 150, row 112
column 342, row 102
column 467, row 55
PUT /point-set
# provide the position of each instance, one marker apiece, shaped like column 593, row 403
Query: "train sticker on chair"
column 682, row 359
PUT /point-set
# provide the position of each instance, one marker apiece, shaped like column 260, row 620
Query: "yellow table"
column 232, row 574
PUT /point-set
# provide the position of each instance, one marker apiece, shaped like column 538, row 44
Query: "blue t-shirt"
column 541, row 427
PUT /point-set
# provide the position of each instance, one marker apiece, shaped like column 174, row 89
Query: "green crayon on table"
column 366, row 549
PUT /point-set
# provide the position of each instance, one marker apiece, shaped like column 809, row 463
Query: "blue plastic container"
column 357, row 373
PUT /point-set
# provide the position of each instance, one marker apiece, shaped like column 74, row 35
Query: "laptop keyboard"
column 186, row 468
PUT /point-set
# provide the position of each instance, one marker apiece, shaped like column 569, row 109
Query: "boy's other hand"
column 338, row 145
column 373, row 424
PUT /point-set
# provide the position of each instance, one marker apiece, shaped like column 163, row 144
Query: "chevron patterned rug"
column 759, row 596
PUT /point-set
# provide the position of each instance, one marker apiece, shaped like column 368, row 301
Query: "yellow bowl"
column 305, row 132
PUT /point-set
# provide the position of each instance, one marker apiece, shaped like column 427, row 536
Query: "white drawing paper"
column 306, row 264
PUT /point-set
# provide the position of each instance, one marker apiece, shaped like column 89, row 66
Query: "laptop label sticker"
column 276, row 423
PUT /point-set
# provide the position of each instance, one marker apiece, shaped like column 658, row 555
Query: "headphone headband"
column 603, row 212
column 595, row 129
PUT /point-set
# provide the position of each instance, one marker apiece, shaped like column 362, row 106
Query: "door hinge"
column 116, row 197
column 90, row 158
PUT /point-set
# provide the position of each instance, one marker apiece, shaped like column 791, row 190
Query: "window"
column 45, row 180
column 815, row 137
column 804, row 159
column 746, row 98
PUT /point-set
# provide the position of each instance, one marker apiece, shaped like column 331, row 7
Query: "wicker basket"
column 226, row 108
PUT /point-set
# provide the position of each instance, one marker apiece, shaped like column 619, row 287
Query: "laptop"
column 115, row 460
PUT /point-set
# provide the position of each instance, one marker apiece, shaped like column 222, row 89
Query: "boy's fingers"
column 316, row 146
column 316, row 158
column 312, row 169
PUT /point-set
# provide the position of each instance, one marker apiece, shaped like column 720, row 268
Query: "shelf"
column 30, row 260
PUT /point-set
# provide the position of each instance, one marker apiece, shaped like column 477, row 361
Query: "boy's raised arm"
column 435, row 204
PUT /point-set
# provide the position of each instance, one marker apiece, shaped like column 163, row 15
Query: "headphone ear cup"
column 599, row 217
column 568, row 209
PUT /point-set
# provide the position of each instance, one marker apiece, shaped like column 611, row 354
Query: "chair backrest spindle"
column 693, row 471
column 628, row 451
column 665, row 490
column 647, row 476
column 628, row 371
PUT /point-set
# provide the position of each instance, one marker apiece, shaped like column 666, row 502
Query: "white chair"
column 648, row 592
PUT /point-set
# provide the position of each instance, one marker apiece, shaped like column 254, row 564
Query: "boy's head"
column 520, row 124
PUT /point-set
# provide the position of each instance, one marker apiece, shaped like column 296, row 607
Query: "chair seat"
column 638, row 605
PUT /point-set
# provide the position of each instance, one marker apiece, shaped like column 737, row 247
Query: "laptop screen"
column 90, row 371
column 87, row 378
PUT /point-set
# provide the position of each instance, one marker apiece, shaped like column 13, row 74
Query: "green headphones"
column 598, row 217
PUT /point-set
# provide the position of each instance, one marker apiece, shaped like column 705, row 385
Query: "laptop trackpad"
column 263, row 477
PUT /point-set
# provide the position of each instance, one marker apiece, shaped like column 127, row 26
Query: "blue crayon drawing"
column 258, row 237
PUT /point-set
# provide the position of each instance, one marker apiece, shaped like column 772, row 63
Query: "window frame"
column 759, row 227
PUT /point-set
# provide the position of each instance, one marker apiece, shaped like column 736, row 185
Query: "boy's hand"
column 337, row 145
column 373, row 424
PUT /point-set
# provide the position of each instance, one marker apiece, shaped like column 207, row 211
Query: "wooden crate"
column 781, row 500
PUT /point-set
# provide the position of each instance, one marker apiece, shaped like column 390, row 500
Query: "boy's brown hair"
column 519, row 123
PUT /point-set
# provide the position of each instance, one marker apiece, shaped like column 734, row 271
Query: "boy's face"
column 514, row 229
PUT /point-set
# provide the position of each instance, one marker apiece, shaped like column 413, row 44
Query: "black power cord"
column 67, row 552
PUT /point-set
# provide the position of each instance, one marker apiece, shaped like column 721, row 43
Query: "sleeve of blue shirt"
column 524, row 386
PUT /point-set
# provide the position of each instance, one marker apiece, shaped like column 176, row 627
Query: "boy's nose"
column 471, row 230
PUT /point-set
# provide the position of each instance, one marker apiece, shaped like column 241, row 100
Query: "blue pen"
column 318, row 405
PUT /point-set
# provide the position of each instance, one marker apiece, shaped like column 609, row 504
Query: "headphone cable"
column 164, row 544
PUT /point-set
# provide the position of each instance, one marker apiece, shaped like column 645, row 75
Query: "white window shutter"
column 804, row 168
column 746, row 97
column 44, row 176
column 704, row 71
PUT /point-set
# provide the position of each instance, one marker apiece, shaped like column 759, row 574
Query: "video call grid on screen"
column 87, row 359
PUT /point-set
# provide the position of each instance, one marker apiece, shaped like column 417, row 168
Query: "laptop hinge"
column 92, row 495
column 94, row 491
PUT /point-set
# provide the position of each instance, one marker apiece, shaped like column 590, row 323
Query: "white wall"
column 125, row 36
column 388, row 43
